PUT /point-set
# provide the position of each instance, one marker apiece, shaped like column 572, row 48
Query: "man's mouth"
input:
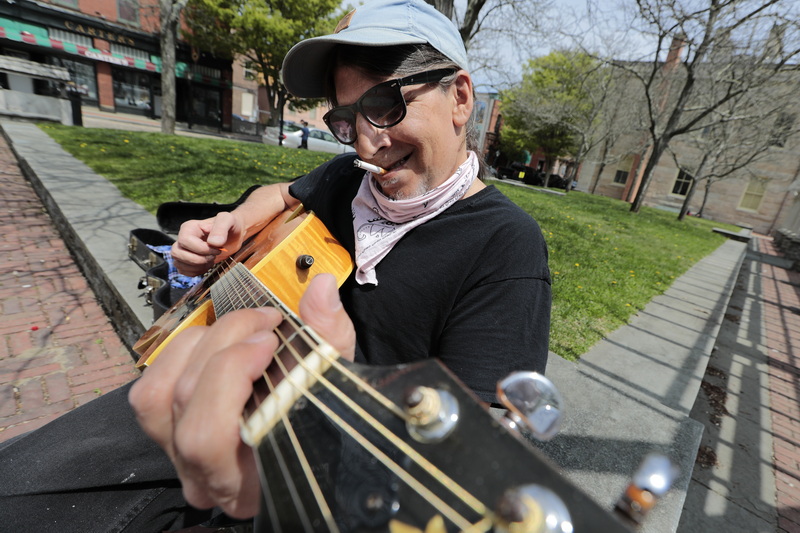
column 398, row 163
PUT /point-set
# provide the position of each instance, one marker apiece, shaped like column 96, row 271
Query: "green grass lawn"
column 606, row 262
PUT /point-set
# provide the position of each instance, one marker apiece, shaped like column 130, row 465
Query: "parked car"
column 270, row 135
column 319, row 140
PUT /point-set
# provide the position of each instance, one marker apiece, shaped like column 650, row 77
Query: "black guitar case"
column 155, row 285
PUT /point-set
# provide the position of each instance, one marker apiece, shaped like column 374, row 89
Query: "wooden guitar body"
column 271, row 255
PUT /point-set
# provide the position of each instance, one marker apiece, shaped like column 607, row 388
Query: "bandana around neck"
column 380, row 222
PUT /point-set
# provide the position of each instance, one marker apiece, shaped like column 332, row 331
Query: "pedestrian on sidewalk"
column 304, row 135
column 446, row 267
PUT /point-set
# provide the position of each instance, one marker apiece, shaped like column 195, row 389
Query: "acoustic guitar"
column 347, row 447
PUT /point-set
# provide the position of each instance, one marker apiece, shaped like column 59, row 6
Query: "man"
column 446, row 267
column 304, row 135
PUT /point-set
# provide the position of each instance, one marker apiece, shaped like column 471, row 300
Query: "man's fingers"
column 220, row 232
column 229, row 330
column 321, row 308
column 216, row 467
column 152, row 395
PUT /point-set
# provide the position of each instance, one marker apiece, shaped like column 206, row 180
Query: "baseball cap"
column 377, row 23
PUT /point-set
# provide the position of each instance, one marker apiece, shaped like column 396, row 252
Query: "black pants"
column 92, row 469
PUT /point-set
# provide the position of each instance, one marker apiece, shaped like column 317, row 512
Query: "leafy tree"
column 260, row 33
column 557, row 106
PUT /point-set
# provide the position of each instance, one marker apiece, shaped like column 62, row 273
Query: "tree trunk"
column 596, row 177
column 655, row 155
column 169, row 29
column 700, row 171
column 687, row 200
column 705, row 198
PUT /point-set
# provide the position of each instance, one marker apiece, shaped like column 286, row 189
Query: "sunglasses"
column 383, row 105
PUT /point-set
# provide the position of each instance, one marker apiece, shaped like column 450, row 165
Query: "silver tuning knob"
column 532, row 509
column 651, row 481
column 532, row 402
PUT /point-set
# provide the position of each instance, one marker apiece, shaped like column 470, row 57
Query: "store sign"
column 99, row 33
column 108, row 58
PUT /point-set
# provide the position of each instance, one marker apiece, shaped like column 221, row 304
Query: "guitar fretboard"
column 238, row 288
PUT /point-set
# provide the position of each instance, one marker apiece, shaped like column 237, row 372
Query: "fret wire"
column 462, row 522
column 305, row 464
column 311, row 339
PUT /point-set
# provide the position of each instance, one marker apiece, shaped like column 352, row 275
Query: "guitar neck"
column 301, row 356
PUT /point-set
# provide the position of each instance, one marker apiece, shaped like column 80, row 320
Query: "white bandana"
column 380, row 222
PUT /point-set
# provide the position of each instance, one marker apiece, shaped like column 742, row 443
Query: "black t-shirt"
column 470, row 286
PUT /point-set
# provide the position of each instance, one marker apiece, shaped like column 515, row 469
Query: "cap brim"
column 306, row 64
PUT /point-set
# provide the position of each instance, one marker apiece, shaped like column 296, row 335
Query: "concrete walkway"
column 642, row 389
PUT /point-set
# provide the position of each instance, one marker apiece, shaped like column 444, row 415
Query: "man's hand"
column 190, row 399
column 200, row 243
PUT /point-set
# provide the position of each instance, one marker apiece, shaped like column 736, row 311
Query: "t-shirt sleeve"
column 328, row 191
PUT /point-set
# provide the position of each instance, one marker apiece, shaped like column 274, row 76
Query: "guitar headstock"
column 407, row 449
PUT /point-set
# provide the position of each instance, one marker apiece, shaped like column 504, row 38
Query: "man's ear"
column 463, row 98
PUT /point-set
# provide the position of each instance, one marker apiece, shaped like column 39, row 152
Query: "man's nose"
column 370, row 139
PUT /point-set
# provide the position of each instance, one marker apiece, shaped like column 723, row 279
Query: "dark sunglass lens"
column 383, row 106
column 342, row 125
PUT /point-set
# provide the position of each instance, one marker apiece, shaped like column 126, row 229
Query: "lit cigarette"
column 378, row 171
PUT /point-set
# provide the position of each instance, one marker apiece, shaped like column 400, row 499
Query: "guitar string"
column 437, row 503
column 229, row 289
column 303, row 333
column 263, row 292
column 378, row 426
column 269, row 500
column 258, row 288
column 256, row 296
column 256, row 291
column 316, row 490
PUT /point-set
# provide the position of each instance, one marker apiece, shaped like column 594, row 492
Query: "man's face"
column 419, row 153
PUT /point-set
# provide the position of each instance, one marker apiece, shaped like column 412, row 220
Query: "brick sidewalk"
column 58, row 348
column 781, row 296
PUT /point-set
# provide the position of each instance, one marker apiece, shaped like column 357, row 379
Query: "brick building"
column 761, row 195
column 111, row 50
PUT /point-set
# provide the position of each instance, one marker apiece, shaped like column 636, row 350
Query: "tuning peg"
column 532, row 401
column 532, row 509
column 432, row 414
column 651, row 481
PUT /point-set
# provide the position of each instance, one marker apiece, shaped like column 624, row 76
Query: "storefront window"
column 131, row 90
column 205, row 106
column 82, row 74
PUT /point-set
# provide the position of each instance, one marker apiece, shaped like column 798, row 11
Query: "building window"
column 128, row 11
column 249, row 72
column 208, row 72
column 621, row 177
column 751, row 200
column 682, row 184
column 781, row 129
column 82, row 74
column 131, row 90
